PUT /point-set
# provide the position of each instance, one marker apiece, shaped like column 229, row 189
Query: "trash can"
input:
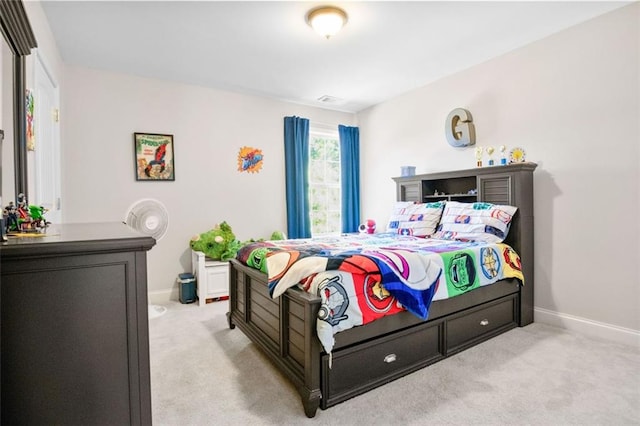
column 187, row 283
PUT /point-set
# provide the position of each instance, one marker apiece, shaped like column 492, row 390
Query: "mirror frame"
column 17, row 31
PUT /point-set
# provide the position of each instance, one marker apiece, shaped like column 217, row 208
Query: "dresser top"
column 81, row 238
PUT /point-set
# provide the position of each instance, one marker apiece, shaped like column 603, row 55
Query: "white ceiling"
column 266, row 48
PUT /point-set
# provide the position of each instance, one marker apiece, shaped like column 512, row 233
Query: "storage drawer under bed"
column 357, row 369
column 475, row 325
column 362, row 367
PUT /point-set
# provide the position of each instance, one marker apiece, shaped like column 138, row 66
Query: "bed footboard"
column 396, row 345
column 283, row 328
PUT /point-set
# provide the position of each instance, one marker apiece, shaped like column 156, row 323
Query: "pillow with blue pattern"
column 475, row 222
column 419, row 219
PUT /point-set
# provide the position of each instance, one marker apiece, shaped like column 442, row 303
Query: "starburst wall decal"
column 249, row 159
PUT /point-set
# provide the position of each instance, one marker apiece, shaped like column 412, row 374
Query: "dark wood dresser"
column 75, row 331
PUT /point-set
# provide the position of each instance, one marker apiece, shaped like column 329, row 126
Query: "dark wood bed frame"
column 285, row 328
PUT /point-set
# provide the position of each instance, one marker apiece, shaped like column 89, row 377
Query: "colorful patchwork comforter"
column 362, row 277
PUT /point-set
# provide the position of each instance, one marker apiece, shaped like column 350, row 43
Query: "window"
column 324, row 182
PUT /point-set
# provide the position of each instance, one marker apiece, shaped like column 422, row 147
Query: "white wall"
column 47, row 47
column 102, row 110
column 572, row 102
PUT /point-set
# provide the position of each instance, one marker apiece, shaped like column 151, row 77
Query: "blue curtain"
column 350, row 177
column 296, row 163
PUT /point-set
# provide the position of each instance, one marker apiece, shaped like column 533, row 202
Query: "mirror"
column 20, row 39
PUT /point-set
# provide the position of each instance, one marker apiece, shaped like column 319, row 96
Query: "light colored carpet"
column 203, row 373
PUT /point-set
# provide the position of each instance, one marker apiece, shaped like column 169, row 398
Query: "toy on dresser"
column 24, row 218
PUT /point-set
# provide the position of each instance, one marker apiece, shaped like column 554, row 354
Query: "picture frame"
column 154, row 159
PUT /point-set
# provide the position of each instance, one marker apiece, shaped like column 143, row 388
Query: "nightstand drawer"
column 472, row 327
column 215, row 282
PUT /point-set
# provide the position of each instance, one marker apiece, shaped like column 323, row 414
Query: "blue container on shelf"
column 407, row 171
column 187, row 283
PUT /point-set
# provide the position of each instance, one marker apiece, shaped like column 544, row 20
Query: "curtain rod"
column 327, row 126
column 331, row 126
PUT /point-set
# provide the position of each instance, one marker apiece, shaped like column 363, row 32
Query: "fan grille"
column 149, row 217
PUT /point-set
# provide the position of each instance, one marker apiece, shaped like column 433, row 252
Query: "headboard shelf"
column 511, row 184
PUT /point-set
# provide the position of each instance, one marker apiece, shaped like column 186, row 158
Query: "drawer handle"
column 484, row 322
column 390, row 358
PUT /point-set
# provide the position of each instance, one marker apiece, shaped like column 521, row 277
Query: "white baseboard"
column 585, row 326
column 162, row 296
column 588, row 327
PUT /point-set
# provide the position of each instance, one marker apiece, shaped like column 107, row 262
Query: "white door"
column 47, row 142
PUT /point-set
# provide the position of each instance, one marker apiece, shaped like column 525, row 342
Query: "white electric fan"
column 149, row 217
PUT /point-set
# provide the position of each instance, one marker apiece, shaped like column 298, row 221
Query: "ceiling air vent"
column 326, row 99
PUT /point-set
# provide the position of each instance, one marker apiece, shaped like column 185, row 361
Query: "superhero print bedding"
column 363, row 277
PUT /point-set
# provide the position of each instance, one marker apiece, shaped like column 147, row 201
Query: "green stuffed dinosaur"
column 219, row 243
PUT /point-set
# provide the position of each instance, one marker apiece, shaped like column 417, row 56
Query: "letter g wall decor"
column 459, row 128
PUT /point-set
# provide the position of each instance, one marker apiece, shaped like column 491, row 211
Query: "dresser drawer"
column 471, row 327
column 357, row 369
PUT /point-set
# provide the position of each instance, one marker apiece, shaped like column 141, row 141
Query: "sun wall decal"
column 249, row 159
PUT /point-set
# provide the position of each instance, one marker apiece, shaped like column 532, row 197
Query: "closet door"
column 45, row 165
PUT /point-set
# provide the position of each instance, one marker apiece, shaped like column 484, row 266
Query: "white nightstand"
column 212, row 278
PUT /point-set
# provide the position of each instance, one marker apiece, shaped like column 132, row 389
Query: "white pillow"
column 475, row 222
column 398, row 214
column 419, row 219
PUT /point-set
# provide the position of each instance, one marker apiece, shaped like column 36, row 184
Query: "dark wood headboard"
column 511, row 184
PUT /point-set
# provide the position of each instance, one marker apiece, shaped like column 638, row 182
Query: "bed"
column 286, row 327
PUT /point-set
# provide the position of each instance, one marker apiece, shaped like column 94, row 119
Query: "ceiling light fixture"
column 327, row 20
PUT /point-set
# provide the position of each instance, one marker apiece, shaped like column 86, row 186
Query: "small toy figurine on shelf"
column 24, row 218
column 490, row 151
column 517, row 155
column 3, row 226
column 10, row 214
column 503, row 155
column 479, row 156
column 36, row 214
